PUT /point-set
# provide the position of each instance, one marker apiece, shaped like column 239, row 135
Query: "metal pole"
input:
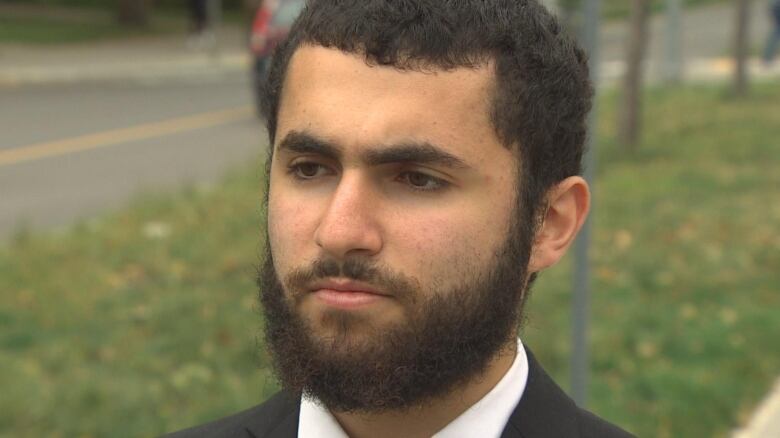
column 672, row 71
column 214, row 22
column 581, row 298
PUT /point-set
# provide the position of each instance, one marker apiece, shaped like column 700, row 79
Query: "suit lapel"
column 282, row 421
column 544, row 410
column 288, row 427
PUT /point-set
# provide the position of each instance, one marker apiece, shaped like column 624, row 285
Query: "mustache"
column 392, row 283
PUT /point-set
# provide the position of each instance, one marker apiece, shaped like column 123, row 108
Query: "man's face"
column 390, row 219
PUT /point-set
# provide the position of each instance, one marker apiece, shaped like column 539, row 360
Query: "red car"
column 270, row 26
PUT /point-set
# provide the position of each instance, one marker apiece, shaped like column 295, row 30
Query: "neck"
column 427, row 419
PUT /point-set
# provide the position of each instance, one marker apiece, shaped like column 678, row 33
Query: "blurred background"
column 130, row 224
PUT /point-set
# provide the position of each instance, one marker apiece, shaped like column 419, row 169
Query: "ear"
column 568, row 203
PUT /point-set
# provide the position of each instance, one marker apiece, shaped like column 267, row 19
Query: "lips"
column 346, row 294
column 345, row 286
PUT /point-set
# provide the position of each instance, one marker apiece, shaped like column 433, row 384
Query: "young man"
column 424, row 168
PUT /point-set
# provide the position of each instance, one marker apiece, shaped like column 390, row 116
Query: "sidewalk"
column 141, row 58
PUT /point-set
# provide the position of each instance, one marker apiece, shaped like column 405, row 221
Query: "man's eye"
column 308, row 170
column 423, row 182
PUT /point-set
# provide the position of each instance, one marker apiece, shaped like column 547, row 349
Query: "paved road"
column 71, row 151
column 118, row 92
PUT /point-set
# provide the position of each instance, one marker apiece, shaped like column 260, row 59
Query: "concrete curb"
column 184, row 66
column 766, row 419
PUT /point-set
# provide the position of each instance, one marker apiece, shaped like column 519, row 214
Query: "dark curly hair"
column 542, row 91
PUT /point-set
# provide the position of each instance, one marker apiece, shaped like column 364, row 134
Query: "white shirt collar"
column 486, row 418
column 315, row 421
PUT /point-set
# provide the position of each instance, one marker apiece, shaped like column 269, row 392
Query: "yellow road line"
column 123, row 135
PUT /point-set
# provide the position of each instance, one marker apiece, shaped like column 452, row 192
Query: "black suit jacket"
column 544, row 411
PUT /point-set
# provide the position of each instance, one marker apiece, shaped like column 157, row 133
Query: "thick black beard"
column 447, row 339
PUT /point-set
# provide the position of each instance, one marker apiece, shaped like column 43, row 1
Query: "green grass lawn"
column 56, row 31
column 147, row 318
column 39, row 25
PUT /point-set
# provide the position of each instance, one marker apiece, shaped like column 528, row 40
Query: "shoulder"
column 546, row 411
column 591, row 426
column 279, row 410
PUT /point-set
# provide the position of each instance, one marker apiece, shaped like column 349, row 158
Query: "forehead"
column 339, row 97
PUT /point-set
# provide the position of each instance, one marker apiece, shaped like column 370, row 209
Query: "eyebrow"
column 407, row 152
column 305, row 143
column 413, row 152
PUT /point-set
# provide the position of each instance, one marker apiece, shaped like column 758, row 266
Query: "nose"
column 349, row 226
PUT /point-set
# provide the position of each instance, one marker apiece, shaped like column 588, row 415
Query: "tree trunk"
column 629, row 128
column 133, row 12
column 568, row 11
column 740, row 85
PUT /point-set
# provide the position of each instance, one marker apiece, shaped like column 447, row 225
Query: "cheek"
column 289, row 228
column 448, row 247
